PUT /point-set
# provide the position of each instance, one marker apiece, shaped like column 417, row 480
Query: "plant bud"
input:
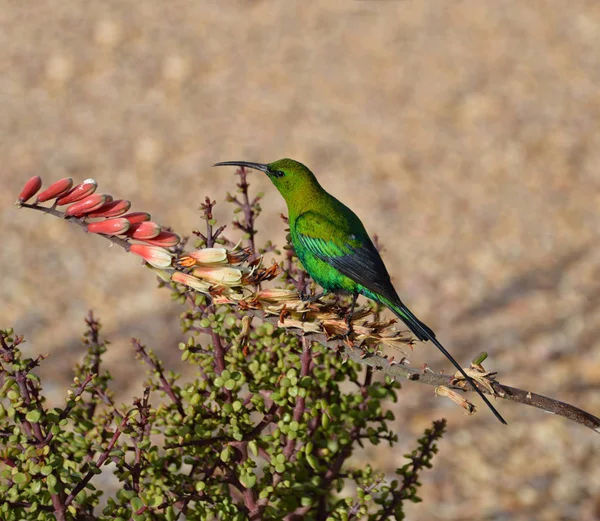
column 165, row 239
column 137, row 217
column 144, row 230
column 112, row 209
column 204, row 256
column 55, row 189
column 277, row 294
column 30, row 189
column 225, row 275
column 190, row 281
column 109, row 227
column 88, row 187
column 87, row 205
column 153, row 255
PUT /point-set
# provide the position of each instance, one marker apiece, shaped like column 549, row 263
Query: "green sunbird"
column 335, row 249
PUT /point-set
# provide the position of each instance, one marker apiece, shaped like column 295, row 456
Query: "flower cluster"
column 230, row 277
column 104, row 215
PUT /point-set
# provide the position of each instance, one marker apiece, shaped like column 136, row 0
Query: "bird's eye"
column 278, row 173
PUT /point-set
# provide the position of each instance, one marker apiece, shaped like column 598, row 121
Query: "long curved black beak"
column 255, row 166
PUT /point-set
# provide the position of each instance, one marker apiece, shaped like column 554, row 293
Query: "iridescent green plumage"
column 335, row 249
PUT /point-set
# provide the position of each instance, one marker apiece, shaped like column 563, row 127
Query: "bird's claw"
column 310, row 297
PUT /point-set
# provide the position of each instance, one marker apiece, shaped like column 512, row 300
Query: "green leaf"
column 51, row 481
column 33, row 416
column 136, row 503
column 19, row 478
column 253, row 446
column 156, row 501
column 225, row 454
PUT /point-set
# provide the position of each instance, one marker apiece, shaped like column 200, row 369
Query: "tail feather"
column 424, row 333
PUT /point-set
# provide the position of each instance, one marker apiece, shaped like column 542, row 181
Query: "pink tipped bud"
column 30, row 189
column 55, row 190
column 87, row 205
column 144, row 231
column 165, row 239
column 112, row 209
column 190, row 281
column 204, row 256
column 109, row 227
column 277, row 294
column 225, row 275
column 77, row 193
column 153, row 255
column 137, row 217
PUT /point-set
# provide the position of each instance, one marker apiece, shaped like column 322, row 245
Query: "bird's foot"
column 311, row 297
column 348, row 322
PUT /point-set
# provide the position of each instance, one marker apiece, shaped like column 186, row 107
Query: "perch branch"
column 383, row 364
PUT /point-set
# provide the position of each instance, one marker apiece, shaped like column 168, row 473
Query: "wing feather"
column 352, row 254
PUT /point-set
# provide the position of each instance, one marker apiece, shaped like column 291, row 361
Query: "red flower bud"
column 109, row 227
column 30, row 189
column 88, row 187
column 154, row 255
column 137, row 217
column 112, row 209
column 89, row 204
column 165, row 239
column 55, row 190
column 144, row 231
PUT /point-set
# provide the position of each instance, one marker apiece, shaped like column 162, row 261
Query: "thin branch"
column 157, row 368
column 397, row 370
column 419, row 461
column 101, row 460
column 126, row 245
column 248, row 207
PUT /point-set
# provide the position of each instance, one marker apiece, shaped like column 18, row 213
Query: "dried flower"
column 258, row 275
column 238, row 256
column 55, row 189
column 31, row 188
column 77, row 193
column 485, row 378
column 442, row 390
column 153, row 255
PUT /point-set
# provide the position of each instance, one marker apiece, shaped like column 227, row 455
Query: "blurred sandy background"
column 466, row 134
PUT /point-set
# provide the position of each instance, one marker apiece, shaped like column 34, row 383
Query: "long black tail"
column 422, row 332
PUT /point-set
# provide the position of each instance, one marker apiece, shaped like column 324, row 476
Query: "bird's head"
column 289, row 177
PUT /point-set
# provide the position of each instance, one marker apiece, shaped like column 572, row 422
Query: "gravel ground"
column 465, row 134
